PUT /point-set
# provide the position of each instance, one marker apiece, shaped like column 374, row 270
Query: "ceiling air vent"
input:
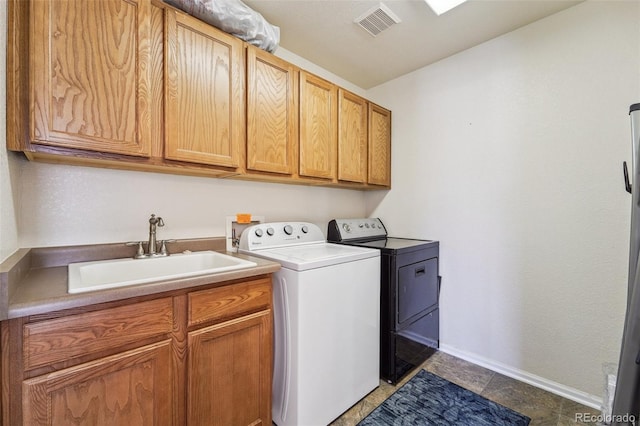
column 377, row 19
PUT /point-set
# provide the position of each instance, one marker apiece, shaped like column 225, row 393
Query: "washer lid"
column 310, row 256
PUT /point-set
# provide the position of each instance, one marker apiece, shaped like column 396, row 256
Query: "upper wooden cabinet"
column 272, row 111
column 318, row 127
column 89, row 64
column 352, row 137
column 204, row 93
column 139, row 85
column 379, row 146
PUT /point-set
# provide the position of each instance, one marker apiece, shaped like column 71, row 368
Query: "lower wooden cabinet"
column 199, row 357
column 229, row 374
column 132, row 388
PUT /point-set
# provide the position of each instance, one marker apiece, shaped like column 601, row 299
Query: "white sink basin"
column 98, row 275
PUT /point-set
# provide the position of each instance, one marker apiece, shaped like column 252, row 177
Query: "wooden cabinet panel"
column 272, row 111
column 89, row 62
column 61, row 339
column 138, row 85
column 229, row 372
column 132, row 388
column 145, row 362
column 229, row 301
column 204, row 93
column 352, row 137
column 318, row 126
column 379, row 146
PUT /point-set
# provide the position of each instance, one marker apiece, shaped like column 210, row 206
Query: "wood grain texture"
column 132, row 388
column 113, row 161
column 229, row 373
column 379, row 146
column 230, row 301
column 17, row 75
column 4, row 383
column 272, row 113
column 204, row 93
column 318, row 127
column 55, row 340
column 156, row 58
column 138, row 379
column 352, row 137
column 12, row 372
column 91, row 75
column 88, row 84
column 179, row 347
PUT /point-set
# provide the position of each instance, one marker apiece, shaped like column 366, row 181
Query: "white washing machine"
column 326, row 321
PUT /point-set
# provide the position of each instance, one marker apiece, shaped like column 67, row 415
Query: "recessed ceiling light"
column 442, row 6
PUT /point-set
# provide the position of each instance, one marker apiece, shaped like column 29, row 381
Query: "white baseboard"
column 583, row 398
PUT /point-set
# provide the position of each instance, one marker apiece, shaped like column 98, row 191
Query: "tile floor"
column 544, row 408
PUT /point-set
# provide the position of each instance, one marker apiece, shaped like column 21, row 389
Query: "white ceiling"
column 323, row 32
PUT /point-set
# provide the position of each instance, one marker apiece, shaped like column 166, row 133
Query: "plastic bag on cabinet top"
column 233, row 17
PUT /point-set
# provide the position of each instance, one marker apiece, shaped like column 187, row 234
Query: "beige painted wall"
column 8, row 167
column 510, row 154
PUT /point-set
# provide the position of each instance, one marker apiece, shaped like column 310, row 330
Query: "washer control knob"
column 361, row 225
column 258, row 232
column 270, row 231
column 288, row 229
column 305, row 229
column 346, row 227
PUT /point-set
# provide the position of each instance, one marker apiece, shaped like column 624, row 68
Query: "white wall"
column 510, row 154
column 64, row 205
column 8, row 168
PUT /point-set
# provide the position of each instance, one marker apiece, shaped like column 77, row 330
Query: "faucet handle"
column 139, row 250
column 163, row 247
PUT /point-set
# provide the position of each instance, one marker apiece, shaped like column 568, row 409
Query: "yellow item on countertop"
column 243, row 218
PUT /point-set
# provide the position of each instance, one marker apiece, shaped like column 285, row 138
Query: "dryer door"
column 417, row 289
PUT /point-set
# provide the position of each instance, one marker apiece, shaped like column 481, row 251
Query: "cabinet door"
column 352, row 137
column 379, row 146
column 132, row 388
column 318, row 126
column 272, row 110
column 89, row 64
column 204, row 93
column 229, row 373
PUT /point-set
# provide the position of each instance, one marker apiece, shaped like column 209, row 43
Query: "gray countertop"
column 34, row 281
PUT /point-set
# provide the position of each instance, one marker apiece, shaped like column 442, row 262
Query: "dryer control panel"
column 355, row 229
column 280, row 234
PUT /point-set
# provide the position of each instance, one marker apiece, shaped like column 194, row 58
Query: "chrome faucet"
column 152, row 244
column 153, row 222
